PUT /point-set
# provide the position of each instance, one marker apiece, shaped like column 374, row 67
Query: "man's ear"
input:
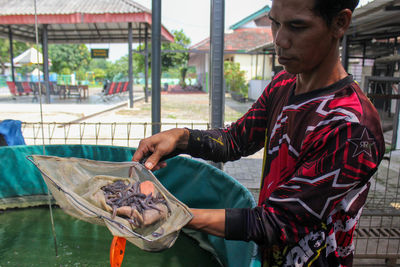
column 341, row 23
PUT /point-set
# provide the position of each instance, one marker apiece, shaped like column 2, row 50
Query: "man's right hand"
column 159, row 145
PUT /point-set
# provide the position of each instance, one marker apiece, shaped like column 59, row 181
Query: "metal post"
column 256, row 64
column 156, row 66
column 396, row 125
column 140, row 37
column 273, row 65
column 263, row 66
column 10, row 37
column 130, row 69
column 364, row 52
column 217, row 93
column 345, row 52
column 251, row 66
column 46, row 63
column 146, row 65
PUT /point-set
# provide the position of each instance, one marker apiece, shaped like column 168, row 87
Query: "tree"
column 18, row 48
column 69, row 56
column 99, row 74
column 177, row 60
column 99, row 63
column 169, row 60
column 235, row 78
column 173, row 60
column 118, row 69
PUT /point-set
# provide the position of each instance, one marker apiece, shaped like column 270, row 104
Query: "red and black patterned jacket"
column 321, row 149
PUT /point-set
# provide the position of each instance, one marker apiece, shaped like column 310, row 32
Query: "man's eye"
column 297, row 26
column 275, row 23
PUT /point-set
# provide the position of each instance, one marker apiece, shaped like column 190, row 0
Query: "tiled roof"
column 251, row 17
column 77, row 21
column 26, row 7
column 241, row 39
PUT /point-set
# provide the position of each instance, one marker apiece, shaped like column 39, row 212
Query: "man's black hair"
column 328, row 9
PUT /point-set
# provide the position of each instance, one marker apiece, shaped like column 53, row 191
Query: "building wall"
column 201, row 62
column 255, row 65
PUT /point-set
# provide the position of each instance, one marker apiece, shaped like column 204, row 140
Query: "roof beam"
column 98, row 32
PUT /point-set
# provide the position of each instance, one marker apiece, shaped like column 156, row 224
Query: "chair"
column 85, row 90
column 43, row 87
column 62, row 91
column 13, row 89
column 73, row 90
column 20, row 88
column 53, row 88
column 125, row 87
column 118, row 89
column 35, row 89
column 27, row 88
column 109, row 91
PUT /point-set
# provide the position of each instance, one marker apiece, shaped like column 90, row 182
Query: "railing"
column 116, row 134
column 378, row 233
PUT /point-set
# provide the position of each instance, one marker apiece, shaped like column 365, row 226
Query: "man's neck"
column 329, row 72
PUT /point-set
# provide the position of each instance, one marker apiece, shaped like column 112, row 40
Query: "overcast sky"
column 193, row 16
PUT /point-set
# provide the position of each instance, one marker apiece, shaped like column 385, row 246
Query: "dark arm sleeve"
column 242, row 138
column 334, row 177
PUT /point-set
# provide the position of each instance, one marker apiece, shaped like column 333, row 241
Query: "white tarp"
column 30, row 56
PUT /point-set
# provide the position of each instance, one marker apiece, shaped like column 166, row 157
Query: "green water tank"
column 195, row 183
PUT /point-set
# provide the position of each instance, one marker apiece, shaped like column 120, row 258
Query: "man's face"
column 302, row 38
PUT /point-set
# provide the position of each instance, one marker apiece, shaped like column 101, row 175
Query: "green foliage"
column 168, row 60
column 68, row 56
column 235, row 78
column 65, row 71
column 182, row 82
column 99, row 63
column 178, row 60
column 18, row 48
column 118, row 69
column 99, row 74
column 26, row 69
column 80, row 74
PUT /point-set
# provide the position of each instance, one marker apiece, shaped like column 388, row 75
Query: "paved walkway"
column 247, row 171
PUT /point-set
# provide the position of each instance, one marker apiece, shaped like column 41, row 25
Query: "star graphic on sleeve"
column 363, row 144
column 317, row 207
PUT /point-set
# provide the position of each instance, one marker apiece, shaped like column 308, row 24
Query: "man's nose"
column 282, row 39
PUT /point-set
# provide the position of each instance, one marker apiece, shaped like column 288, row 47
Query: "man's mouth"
column 284, row 60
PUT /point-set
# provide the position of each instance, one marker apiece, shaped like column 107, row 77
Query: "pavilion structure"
column 77, row 21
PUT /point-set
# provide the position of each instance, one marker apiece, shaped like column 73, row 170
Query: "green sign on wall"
column 99, row 53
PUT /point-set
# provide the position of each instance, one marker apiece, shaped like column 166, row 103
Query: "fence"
column 116, row 134
column 378, row 233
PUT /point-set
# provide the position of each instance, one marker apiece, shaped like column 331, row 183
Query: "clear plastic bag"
column 76, row 184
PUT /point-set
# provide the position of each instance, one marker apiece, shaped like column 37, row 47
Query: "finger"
column 160, row 165
column 139, row 154
column 152, row 161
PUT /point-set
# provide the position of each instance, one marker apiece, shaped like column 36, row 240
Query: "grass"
column 192, row 107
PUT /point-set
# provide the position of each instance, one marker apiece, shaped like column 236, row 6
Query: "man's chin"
column 291, row 70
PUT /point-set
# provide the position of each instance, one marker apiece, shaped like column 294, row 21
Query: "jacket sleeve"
column 333, row 177
column 242, row 138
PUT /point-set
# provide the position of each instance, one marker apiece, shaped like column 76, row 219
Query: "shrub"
column 235, row 78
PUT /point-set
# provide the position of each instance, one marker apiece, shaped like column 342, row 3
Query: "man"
column 322, row 141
